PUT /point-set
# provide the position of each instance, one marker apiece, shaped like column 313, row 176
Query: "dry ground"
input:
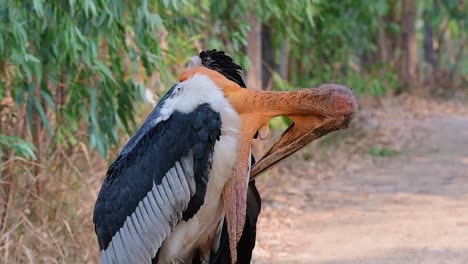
column 335, row 203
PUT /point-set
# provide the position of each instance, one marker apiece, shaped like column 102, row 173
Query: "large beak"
column 315, row 112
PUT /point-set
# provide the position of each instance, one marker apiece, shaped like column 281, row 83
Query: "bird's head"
column 315, row 112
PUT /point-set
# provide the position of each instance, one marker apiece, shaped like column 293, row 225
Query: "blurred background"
column 77, row 78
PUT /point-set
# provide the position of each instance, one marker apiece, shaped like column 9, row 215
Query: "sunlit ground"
column 406, row 203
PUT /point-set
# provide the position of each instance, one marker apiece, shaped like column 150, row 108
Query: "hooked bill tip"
column 343, row 99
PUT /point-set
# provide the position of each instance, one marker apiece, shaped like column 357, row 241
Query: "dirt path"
column 408, row 208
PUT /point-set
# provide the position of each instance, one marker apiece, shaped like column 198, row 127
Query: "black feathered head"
column 220, row 62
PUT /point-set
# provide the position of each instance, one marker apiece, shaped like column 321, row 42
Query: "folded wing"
column 159, row 179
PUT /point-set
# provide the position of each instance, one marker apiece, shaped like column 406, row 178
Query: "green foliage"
column 287, row 18
column 75, row 50
column 21, row 147
column 327, row 38
column 280, row 123
column 375, row 82
column 383, row 152
column 336, row 34
column 78, row 60
column 307, row 154
column 79, row 64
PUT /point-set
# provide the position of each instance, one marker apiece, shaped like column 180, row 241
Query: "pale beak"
column 315, row 112
column 332, row 107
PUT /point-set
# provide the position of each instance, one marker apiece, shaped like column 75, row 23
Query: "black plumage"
column 222, row 63
column 151, row 153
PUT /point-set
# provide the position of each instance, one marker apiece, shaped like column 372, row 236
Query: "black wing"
column 159, row 178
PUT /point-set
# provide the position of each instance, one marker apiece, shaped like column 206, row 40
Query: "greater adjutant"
column 182, row 189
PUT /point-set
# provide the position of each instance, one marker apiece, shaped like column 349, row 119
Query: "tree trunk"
column 284, row 60
column 409, row 75
column 268, row 56
column 393, row 37
column 382, row 42
column 458, row 59
column 449, row 46
column 254, row 52
column 429, row 53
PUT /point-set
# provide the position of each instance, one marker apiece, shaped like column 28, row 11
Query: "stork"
column 182, row 189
